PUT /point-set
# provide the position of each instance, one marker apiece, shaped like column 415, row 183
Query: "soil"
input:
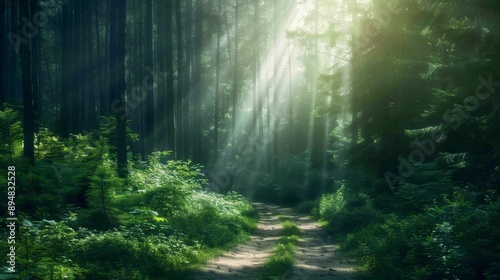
column 317, row 257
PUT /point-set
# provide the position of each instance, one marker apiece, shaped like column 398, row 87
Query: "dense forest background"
column 137, row 128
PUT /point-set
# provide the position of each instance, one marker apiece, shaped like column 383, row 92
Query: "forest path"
column 316, row 257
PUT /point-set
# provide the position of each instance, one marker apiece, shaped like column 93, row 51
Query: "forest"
column 250, row 139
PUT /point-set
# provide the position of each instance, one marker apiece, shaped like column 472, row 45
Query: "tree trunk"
column 169, row 55
column 2, row 54
column 197, row 83
column 149, row 112
column 117, row 79
column 188, row 143
column 12, row 80
column 93, row 68
column 99, row 58
column 180, row 81
column 255, row 66
column 28, row 112
column 76, row 70
column 65, row 116
column 275, row 86
column 217, row 84
column 235, row 73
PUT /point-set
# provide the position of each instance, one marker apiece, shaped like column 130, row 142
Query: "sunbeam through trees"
column 190, row 139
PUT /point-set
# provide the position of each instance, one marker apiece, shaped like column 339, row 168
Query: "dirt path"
column 316, row 256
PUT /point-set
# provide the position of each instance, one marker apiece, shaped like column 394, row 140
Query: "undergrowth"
column 78, row 220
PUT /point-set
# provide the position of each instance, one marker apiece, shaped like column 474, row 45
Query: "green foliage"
column 10, row 135
column 49, row 146
column 208, row 213
column 166, row 187
column 101, row 213
column 455, row 241
column 331, row 204
column 87, row 223
column 289, row 228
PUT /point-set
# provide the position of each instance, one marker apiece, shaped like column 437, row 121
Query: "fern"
column 10, row 132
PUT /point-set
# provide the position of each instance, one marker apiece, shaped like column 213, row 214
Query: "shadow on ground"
column 316, row 256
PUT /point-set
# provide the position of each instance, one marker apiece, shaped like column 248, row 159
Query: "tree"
column 188, row 89
column 169, row 116
column 65, row 113
column 197, row 90
column 117, row 79
column 149, row 112
column 36, row 66
column 217, row 87
column 28, row 110
column 179, row 97
column 235, row 72
column 2, row 51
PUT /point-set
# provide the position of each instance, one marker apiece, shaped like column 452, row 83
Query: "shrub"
column 331, row 204
column 455, row 241
column 209, row 213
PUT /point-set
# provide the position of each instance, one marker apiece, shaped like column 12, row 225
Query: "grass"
column 289, row 229
column 283, row 256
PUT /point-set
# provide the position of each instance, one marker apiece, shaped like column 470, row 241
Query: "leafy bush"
column 455, row 241
column 208, row 213
column 166, row 187
column 331, row 204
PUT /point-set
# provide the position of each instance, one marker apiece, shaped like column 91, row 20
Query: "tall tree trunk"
column 180, row 83
column 275, row 86
column 93, row 68
column 85, row 76
column 149, row 112
column 99, row 58
column 188, row 142
column 28, row 112
column 117, row 51
column 160, row 57
column 255, row 67
column 65, row 116
column 2, row 49
column 35, row 66
column 217, row 85
column 169, row 55
column 12, row 80
column 235, row 73
column 75, row 86
column 197, row 83
column 105, row 98
column 354, row 88
column 317, row 122
column 139, row 56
